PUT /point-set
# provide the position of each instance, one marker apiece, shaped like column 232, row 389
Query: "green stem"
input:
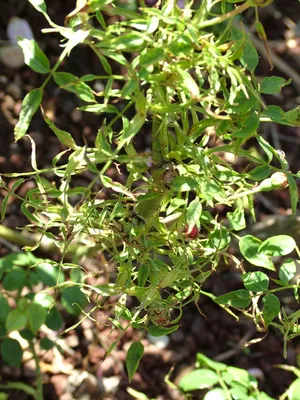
column 47, row 246
column 243, row 194
column 57, row 64
column 224, row 17
column 39, row 377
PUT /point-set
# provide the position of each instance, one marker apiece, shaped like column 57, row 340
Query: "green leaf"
column 30, row 105
column 39, row 5
column 18, row 259
column 27, row 334
column 15, row 279
column 287, row 271
column 143, row 274
column 216, row 394
column 16, row 320
column 294, row 390
column 184, row 184
column 4, row 309
column 275, row 113
column 181, row 46
column 249, row 127
column 275, row 246
column 148, row 204
column 73, row 84
column 293, row 116
column 271, row 307
column 37, row 316
column 267, row 148
column 194, row 212
column 238, row 298
column 133, row 357
column 188, row 83
column 152, row 56
column 11, row 352
column 256, row 281
column 260, row 173
column 236, row 219
column 54, row 320
column 46, row 344
column 198, row 379
column 127, row 41
column 100, row 108
column 249, row 246
column 44, row 299
column 219, row 238
column 249, row 58
column 73, row 300
column 64, row 137
column 203, row 361
column 156, row 330
column 273, row 84
column 49, row 274
column 293, row 193
column 34, row 57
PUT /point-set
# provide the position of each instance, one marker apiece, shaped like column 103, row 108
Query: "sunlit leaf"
column 30, row 105
column 34, row 57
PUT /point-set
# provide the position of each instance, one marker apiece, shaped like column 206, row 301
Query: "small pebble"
column 76, row 115
column 98, row 86
column 111, row 384
column 257, row 373
column 14, row 90
column 161, row 342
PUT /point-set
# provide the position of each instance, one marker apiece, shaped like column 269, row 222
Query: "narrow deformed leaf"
column 271, row 307
column 143, row 274
column 133, row 357
column 34, row 57
column 64, row 137
column 293, row 193
column 100, row 108
column 30, row 105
